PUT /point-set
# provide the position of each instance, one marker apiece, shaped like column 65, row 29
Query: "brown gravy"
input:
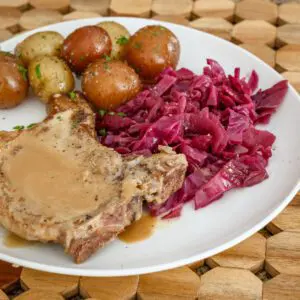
column 139, row 230
column 13, row 241
column 52, row 183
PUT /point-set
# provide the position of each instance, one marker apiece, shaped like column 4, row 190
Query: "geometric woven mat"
column 265, row 266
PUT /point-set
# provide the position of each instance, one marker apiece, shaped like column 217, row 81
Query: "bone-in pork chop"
column 58, row 184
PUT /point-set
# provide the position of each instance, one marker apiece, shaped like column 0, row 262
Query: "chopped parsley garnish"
column 121, row 114
column 102, row 113
column 137, row 45
column 107, row 57
column 111, row 113
column 75, row 123
column 31, row 125
column 38, row 71
column 106, row 66
column 19, row 127
column 23, row 71
column 102, row 132
column 161, row 27
column 5, row 53
column 59, row 118
column 81, row 58
column 44, row 37
column 72, row 95
column 122, row 40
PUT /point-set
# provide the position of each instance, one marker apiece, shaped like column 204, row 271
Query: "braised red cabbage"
column 211, row 119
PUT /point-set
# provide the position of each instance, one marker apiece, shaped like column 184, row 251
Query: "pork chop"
column 58, row 184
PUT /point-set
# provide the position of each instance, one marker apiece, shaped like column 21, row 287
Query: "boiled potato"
column 108, row 84
column 13, row 81
column 119, row 36
column 39, row 44
column 151, row 49
column 49, row 75
column 85, row 45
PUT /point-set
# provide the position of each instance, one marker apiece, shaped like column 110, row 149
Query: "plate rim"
column 179, row 262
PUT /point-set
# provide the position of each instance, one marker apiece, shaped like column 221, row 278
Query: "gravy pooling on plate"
column 13, row 241
column 139, row 230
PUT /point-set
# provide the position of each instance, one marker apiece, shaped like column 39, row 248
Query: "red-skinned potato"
column 108, row 84
column 85, row 45
column 13, row 81
column 151, row 49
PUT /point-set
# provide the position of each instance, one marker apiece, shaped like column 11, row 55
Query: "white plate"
column 197, row 234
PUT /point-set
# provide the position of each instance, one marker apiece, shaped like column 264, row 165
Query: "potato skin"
column 119, row 36
column 62, row 102
column 7, row 56
column 50, row 75
column 39, row 44
column 85, row 45
column 151, row 49
column 108, row 84
column 13, row 81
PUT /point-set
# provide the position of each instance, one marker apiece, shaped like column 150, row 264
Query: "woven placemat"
column 265, row 266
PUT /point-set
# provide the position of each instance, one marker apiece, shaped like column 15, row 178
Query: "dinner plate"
column 196, row 234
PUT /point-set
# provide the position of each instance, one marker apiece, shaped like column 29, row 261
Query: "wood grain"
column 264, row 52
column 175, row 7
column 254, row 32
column 98, row 6
column 8, row 273
column 288, row 34
column 249, row 254
column 3, row 296
column 5, row 35
column 283, row 254
column 165, row 285
column 20, row 4
column 256, row 10
column 39, row 17
column 172, row 19
column 294, row 80
column 230, row 284
column 215, row 26
column 288, row 58
column 289, row 13
column 109, row 288
column 142, row 8
column 283, row 249
column 74, row 15
column 9, row 19
column 60, row 5
column 61, row 284
column 289, row 219
column 39, row 295
column 214, row 9
column 282, row 287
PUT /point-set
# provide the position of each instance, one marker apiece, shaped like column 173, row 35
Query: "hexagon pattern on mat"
column 249, row 254
column 166, row 285
column 226, row 284
column 62, row 284
column 245, row 271
column 283, row 253
column 282, row 287
column 109, row 288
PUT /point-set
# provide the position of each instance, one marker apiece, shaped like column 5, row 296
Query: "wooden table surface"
column 265, row 266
